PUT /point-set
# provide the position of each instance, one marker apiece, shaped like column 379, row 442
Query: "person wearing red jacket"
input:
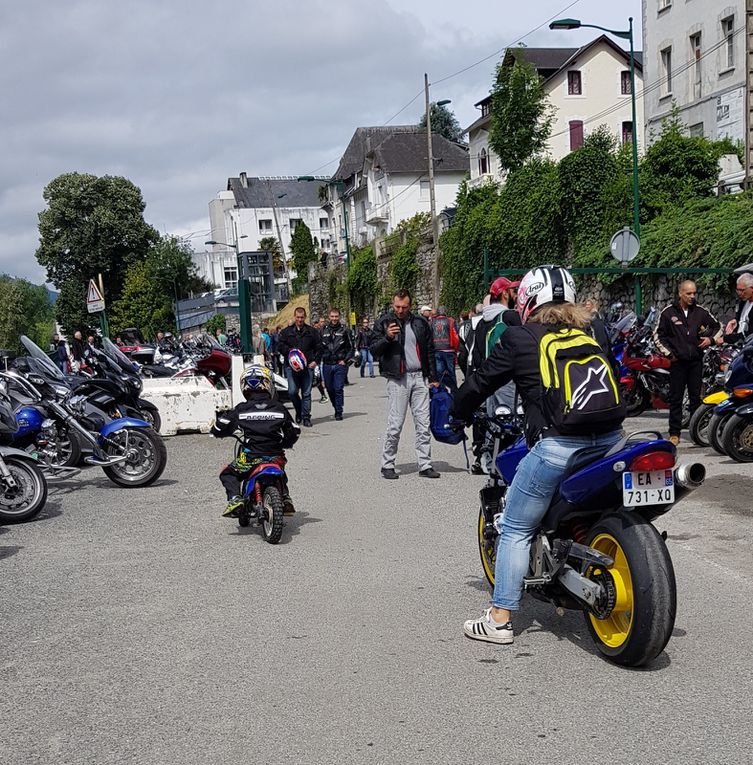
column 446, row 342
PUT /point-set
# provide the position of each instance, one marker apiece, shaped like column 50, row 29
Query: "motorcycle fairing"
column 715, row 398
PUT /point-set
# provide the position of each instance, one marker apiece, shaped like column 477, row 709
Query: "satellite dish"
column 625, row 245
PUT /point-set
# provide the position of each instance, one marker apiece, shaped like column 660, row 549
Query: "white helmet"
column 545, row 284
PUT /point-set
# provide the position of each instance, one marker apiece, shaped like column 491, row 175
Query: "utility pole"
column 432, row 197
column 279, row 239
column 748, row 93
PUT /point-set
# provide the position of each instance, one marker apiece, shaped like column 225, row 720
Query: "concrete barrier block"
column 186, row 404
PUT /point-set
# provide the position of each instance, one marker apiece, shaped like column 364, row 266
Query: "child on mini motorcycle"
column 267, row 429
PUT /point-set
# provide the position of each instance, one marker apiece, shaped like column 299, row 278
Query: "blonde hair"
column 558, row 314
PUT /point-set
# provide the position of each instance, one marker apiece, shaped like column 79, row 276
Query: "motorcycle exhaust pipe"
column 688, row 478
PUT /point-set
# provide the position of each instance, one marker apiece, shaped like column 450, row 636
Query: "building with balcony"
column 383, row 179
column 695, row 60
column 251, row 209
column 587, row 86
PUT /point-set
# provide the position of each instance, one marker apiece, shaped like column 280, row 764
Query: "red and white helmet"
column 545, row 284
column 297, row 360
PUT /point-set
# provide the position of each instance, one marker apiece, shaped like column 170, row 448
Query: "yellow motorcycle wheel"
column 487, row 549
column 640, row 602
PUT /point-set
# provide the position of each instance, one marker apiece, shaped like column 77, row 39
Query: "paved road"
column 140, row 627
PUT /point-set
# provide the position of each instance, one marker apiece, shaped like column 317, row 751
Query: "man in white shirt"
column 741, row 327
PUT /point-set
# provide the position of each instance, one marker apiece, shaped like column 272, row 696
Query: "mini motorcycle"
column 596, row 549
column 263, row 492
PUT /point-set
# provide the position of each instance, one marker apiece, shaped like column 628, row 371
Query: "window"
column 696, row 131
column 627, row 132
column 695, row 57
column 576, row 135
column 423, row 193
column 324, row 223
column 483, row 163
column 265, row 225
column 486, row 108
column 666, row 69
column 664, row 4
column 728, row 34
column 626, row 86
column 574, row 85
column 293, row 223
column 231, row 277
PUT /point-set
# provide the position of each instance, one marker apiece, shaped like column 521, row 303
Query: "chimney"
column 244, row 180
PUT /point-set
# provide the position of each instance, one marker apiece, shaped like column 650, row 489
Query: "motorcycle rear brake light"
column 653, row 461
column 742, row 392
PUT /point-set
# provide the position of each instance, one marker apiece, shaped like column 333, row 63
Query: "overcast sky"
column 177, row 95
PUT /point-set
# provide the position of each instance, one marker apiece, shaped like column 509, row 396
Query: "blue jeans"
column 367, row 357
column 333, row 376
column 299, row 390
column 445, row 361
column 528, row 498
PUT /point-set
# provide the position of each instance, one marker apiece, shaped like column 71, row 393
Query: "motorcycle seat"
column 582, row 457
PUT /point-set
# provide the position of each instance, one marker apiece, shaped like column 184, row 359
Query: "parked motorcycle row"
column 51, row 422
column 724, row 420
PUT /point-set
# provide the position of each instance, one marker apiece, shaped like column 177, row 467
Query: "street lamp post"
column 624, row 35
column 243, row 302
column 432, row 189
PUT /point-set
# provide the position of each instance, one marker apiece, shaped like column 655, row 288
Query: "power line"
column 461, row 71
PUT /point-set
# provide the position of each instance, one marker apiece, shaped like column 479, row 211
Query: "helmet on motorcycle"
column 297, row 360
column 545, row 284
column 256, row 380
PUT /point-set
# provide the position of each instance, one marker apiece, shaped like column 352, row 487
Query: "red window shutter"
column 576, row 135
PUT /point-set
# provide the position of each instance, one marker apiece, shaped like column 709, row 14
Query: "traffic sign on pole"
column 95, row 303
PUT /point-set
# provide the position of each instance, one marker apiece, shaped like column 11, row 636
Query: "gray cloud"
column 178, row 95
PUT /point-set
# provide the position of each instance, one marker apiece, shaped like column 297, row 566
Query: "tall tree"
column 91, row 225
column 152, row 286
column 272, row 245
column 304, row 252
column 521, row 115
column 444, row 122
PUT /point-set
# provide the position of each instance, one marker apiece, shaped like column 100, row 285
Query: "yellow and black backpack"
column 581, row 392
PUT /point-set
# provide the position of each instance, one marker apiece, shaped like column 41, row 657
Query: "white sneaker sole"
column 505, row 639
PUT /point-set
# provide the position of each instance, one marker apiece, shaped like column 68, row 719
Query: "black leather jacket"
column 266, row 426
column 306, row 340
column 391, row 353
column 336, row 344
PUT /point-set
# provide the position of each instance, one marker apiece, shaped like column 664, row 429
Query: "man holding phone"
column 404, row 345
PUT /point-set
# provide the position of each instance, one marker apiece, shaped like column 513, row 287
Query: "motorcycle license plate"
column 654, row 488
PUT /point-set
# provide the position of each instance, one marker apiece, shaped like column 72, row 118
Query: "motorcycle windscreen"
column 115, row 354
column 43, row 362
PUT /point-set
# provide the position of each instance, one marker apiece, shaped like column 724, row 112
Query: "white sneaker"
column 488, row 631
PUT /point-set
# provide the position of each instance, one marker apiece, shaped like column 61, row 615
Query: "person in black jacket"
column 267, row 430
column 363, row 344
column 741, row 327
column 546, row 301
column 684, row 331
column 403, row 343
column 337, row 352
column 303, row 337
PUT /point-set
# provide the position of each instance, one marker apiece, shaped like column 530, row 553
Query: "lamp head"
column 444, row 102
column 565, row 24
column 211, row 241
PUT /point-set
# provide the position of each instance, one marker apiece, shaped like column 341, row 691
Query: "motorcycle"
column 737, row 433
column 130, row 452
column 23, row 488
column 597, row 550
column 263, row 492
column 716, row 362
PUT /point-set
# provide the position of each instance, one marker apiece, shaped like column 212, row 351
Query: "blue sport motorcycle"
column 597, row 550
column 128, row 450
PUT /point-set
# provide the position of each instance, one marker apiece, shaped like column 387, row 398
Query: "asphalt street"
column 139, row 626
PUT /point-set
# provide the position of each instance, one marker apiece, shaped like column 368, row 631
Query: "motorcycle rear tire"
column 641, row 622
column 117, row 474
column 25, row 472
column 699, row 424
column 272, row 515
column 737, row 438
column 716, row 428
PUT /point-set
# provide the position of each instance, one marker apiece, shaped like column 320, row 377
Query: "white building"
column 252, row 209
column 383, row 179
column 588, row 87
column 695, row 59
